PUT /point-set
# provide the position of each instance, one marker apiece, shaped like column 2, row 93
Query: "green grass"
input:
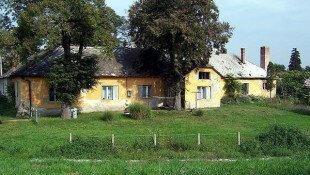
column 22, row 141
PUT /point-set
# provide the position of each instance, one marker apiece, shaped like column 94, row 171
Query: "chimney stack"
column 243, row 57
column 264, row 57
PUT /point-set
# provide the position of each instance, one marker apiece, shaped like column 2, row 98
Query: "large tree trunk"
column 66, row 112
column 177, row 101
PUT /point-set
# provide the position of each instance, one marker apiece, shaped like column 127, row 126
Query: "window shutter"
column 198, row 94
column 140, row 91
column 208, row 92
column 104, row 91
column 150, row 91
column 115, row 92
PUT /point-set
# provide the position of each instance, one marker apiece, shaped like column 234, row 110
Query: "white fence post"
column 155, row 140
column 239, row 138
column 70, row 138
column 113, row 141
column 199, row 141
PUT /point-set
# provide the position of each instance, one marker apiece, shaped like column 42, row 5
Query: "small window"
column 265, row 86
column 145, row 91
column 109, row 92
column 52, row 94
column 204, row 75
column 203, row 92
column 245, row 88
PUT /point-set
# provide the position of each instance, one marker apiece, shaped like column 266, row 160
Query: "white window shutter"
column 198, row 94
column 104, row 91
column 208, row 92
column 115, row 92
column 140, row 91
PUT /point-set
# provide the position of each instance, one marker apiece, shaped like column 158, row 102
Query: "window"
column 265, row 86
column 203, row 92
column 52, row 94
column 245, row 88
column 109, row 92
column 145, row 91
column 204, row 75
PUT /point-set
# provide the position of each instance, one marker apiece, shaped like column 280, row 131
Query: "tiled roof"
column 231, row 64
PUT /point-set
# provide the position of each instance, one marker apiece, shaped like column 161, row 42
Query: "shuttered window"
column 145, row 91
column 52, row 94
column 203, row 92
column 110, row 92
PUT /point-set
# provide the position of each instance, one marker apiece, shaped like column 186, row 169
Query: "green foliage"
column 307, row 68
column 176, row 30
column 199, row 112
column 108, row 116
column 291, row 85
column 280, row 140
column 91, row 148
column 6, row 106
column 138, row 111
column 232, row 86
column 69, row 79
column 271, row 74
column 176, row 144
column 239, row 99
column 278, row 68
column 295, row 62
column 144, row 144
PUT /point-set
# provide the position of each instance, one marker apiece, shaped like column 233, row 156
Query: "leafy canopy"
column 69, row 22
column 182, row 32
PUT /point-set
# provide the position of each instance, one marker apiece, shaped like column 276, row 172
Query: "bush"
column 284, row 136
column 178, row 145
column 90, row 148
column 240, row 99
column 198, row 112
column 251, row 148
column 107, row 116
column 144, row 144
column 138, row 111
column 278, row 141
column 6, row 106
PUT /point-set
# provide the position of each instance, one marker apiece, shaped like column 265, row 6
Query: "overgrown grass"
column 176, row 138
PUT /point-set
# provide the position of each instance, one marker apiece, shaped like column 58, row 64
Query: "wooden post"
column 199, row 141
column 113, row 141
column 36, row 113
column 239, row 138
column 155, row 140
column 70, row 138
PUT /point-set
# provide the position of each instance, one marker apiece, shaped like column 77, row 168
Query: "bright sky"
column 278, row 24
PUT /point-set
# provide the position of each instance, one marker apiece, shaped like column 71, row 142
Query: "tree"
column 277, row 68
column 66, row 23
column 232, row 86
column 182, row 32
column 295, row 62
column 307, row 68
column 271, row 73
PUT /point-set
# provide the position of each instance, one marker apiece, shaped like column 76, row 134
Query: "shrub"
column 143, row 144
column 284, row 136
column 91, row 148
column 6, row 106
column 198, row 112
column 251, row 148
column 232, row 86
column 138, row 111
column 178, row 145
column 239, row 99
column 107, row 116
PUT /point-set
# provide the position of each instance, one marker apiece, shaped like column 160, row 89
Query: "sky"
column 279, row 24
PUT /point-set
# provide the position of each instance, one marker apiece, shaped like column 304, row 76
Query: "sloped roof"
column 121, row 65
column 226, row 64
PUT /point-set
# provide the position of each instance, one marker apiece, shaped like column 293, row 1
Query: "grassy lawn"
column 22, row 141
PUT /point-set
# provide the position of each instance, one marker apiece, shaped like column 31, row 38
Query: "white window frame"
column 145, row 91
column 204, row 93
column 113, row 92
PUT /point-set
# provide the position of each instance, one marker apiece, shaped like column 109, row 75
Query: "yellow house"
column 119, row 84
column 204, row 85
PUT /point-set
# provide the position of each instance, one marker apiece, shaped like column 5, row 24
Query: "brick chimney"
column 264, row 57
column 243, row 57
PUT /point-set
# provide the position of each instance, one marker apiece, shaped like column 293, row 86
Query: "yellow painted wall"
column 90, row 100
column 217, row 83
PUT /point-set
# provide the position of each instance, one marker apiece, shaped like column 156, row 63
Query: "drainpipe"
column 1, row 73
column 30, row 96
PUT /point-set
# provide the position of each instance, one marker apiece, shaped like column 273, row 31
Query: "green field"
column 29, row 148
